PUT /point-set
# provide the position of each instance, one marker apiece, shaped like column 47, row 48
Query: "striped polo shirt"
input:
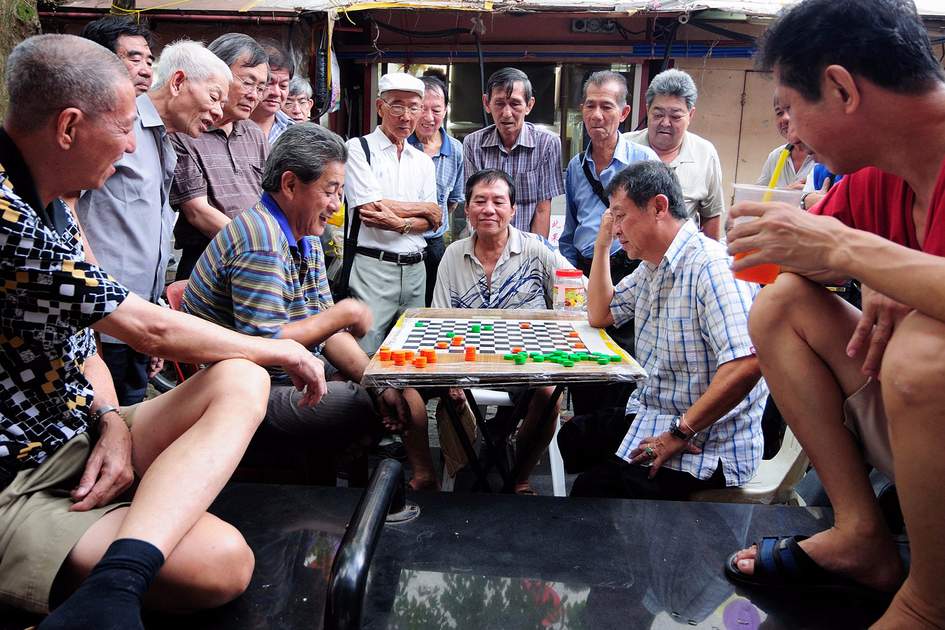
column 255, row 278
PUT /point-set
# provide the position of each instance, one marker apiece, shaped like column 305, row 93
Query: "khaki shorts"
column 866, row 419
column 37, row 530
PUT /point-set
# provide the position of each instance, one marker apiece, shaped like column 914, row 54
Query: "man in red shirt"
column 868, row 387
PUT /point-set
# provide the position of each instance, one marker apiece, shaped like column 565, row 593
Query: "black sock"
column 110, row 598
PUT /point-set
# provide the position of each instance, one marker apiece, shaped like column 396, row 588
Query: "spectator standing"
column 268, row 114
column 298, row 105
column 797, row 167
column 130, row 40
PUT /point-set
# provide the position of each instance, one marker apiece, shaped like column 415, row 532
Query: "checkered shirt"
column 534, row 163
column 50, row 296
column 691, row 316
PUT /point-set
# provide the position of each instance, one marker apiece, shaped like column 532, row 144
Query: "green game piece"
column 420, row 324
column 534, row 354
column 449, row 335
column 509, row 357
column 538, row 359
column 521, row 359
column 487, row 327
column 574, row 357
column 615, row 358
column 475, row 328
column 604, row 361
column 567, row 363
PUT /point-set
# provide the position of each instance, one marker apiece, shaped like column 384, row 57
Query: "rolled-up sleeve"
column 190, row 181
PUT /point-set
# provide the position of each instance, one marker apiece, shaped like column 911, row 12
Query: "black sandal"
column 780, row 562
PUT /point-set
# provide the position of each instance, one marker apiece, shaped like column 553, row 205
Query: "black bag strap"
column 596, row 186
column 351, row 237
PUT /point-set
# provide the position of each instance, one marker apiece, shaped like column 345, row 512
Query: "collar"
column 18, row 172
column 446, row 147
column 526, row 137
column 270, row 204
column 147, row 113
column 685, row 152
column 512, row 246
column 621, row 152
column 674, row 253
column 283, row 120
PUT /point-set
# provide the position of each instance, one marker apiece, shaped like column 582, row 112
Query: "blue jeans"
column 129, row 371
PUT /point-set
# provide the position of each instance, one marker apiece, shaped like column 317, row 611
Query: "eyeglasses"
column 297, row 102
column 248, row 86
column 400, row 110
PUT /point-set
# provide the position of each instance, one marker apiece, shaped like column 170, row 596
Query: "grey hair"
column 193, row 59
column 304, row 149
column 48, row 73
column 299, row 86
column 505, row 79
column 231, row 47
column 643, row 180
column 602, row 77
column 673, row 82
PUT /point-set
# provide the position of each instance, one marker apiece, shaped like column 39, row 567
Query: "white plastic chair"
column 774, row 481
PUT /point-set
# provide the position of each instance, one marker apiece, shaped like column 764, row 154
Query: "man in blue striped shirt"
column 695, row 423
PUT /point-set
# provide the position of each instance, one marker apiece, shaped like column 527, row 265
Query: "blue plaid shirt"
column 449, row 176
column 691, row 317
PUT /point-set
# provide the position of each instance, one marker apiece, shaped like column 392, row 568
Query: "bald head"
column 46, row 74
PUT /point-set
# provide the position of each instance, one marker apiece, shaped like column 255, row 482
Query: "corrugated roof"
column 928, row 8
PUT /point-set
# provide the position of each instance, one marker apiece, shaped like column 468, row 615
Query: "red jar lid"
column 568, row 273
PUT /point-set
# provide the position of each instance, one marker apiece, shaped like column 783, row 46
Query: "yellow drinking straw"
column 778, row 168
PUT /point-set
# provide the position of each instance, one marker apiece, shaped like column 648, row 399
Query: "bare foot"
column 525, row 489
column 872, row 561
column 424, row 485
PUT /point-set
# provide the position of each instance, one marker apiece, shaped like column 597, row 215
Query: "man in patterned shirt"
column 502, row 267
column 532, row 157
column 695, row 422
column 264, row 275
column 65, row 448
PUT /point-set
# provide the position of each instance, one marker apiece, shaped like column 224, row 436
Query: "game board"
column 481, row 346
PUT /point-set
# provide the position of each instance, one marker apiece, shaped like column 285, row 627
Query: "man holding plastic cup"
column 858, row 387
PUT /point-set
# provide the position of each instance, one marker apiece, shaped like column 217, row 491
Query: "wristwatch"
column 803, row 203
column 406, row 228
column 677, row 432
column 99, row 413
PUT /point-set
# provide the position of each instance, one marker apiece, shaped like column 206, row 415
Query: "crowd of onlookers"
column 211, row 146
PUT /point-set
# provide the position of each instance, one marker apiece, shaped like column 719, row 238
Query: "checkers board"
column 467, row 347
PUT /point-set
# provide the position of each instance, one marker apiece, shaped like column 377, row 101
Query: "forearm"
column 98, row 376
column 711, row 227
column 161, row 332
column 541, row 221
column 600, row 288
column 731, row 384
column 426, row 215
column 906, row 275
column 315, row 329
column 207, row 219
column 346, row 355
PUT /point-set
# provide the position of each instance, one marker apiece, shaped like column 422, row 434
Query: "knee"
column 230, row 563
column 913, row 368
column 775, row 303
column 241, row 383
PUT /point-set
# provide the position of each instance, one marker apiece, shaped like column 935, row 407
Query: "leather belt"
column 400, row 259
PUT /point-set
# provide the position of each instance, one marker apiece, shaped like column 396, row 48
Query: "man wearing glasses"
column 219, row 173
column 393, row 187
column 298, row 106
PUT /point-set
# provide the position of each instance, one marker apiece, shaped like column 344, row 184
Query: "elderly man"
column 218, row 173
column 856, row 387
column 273, row 249
column 695, row 423
column 797, row 167
column 128, row 221
column 532, row 157
column 298, row 105
column 269, row 115
column 670, row 106
column 130, row 40
column 392, row 187
column 500, row 266
column 66, row 451
column 447, row 155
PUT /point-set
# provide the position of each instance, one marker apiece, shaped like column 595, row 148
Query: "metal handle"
column 349, row 571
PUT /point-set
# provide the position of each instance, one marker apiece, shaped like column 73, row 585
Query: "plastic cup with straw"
column 768, row 272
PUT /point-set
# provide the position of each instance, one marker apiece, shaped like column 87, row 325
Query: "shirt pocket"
column 686, row 345
column 527, row 185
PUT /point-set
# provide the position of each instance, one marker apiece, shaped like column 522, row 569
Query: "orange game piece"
column 397, row 354
column 431, row 356
column 580, row 346
column 516, row 350
column 573, row 333
column 384, row 355
column 442, row 345
column 470, row 353
column 420, row 362
column 408, row 355
column 457, row 341
column 525, row 325
column 398, row 361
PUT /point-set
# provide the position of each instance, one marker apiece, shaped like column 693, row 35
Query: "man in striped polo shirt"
column 264, row 275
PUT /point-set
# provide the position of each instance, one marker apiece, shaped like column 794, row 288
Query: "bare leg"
column 534, row 435
column 417, row 444
column 913, row 381
column 800, row 331
column 187, row 443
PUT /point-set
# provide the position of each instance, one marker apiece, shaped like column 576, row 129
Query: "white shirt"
column 410, row 178
column 691, row 316
column 788, row 175
column 523, row 277
column 699, row 172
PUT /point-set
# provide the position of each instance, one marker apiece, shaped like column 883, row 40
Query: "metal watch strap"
column 678, row 433
column 101, row 411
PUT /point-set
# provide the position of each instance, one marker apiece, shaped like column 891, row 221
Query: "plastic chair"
column 774, row 481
